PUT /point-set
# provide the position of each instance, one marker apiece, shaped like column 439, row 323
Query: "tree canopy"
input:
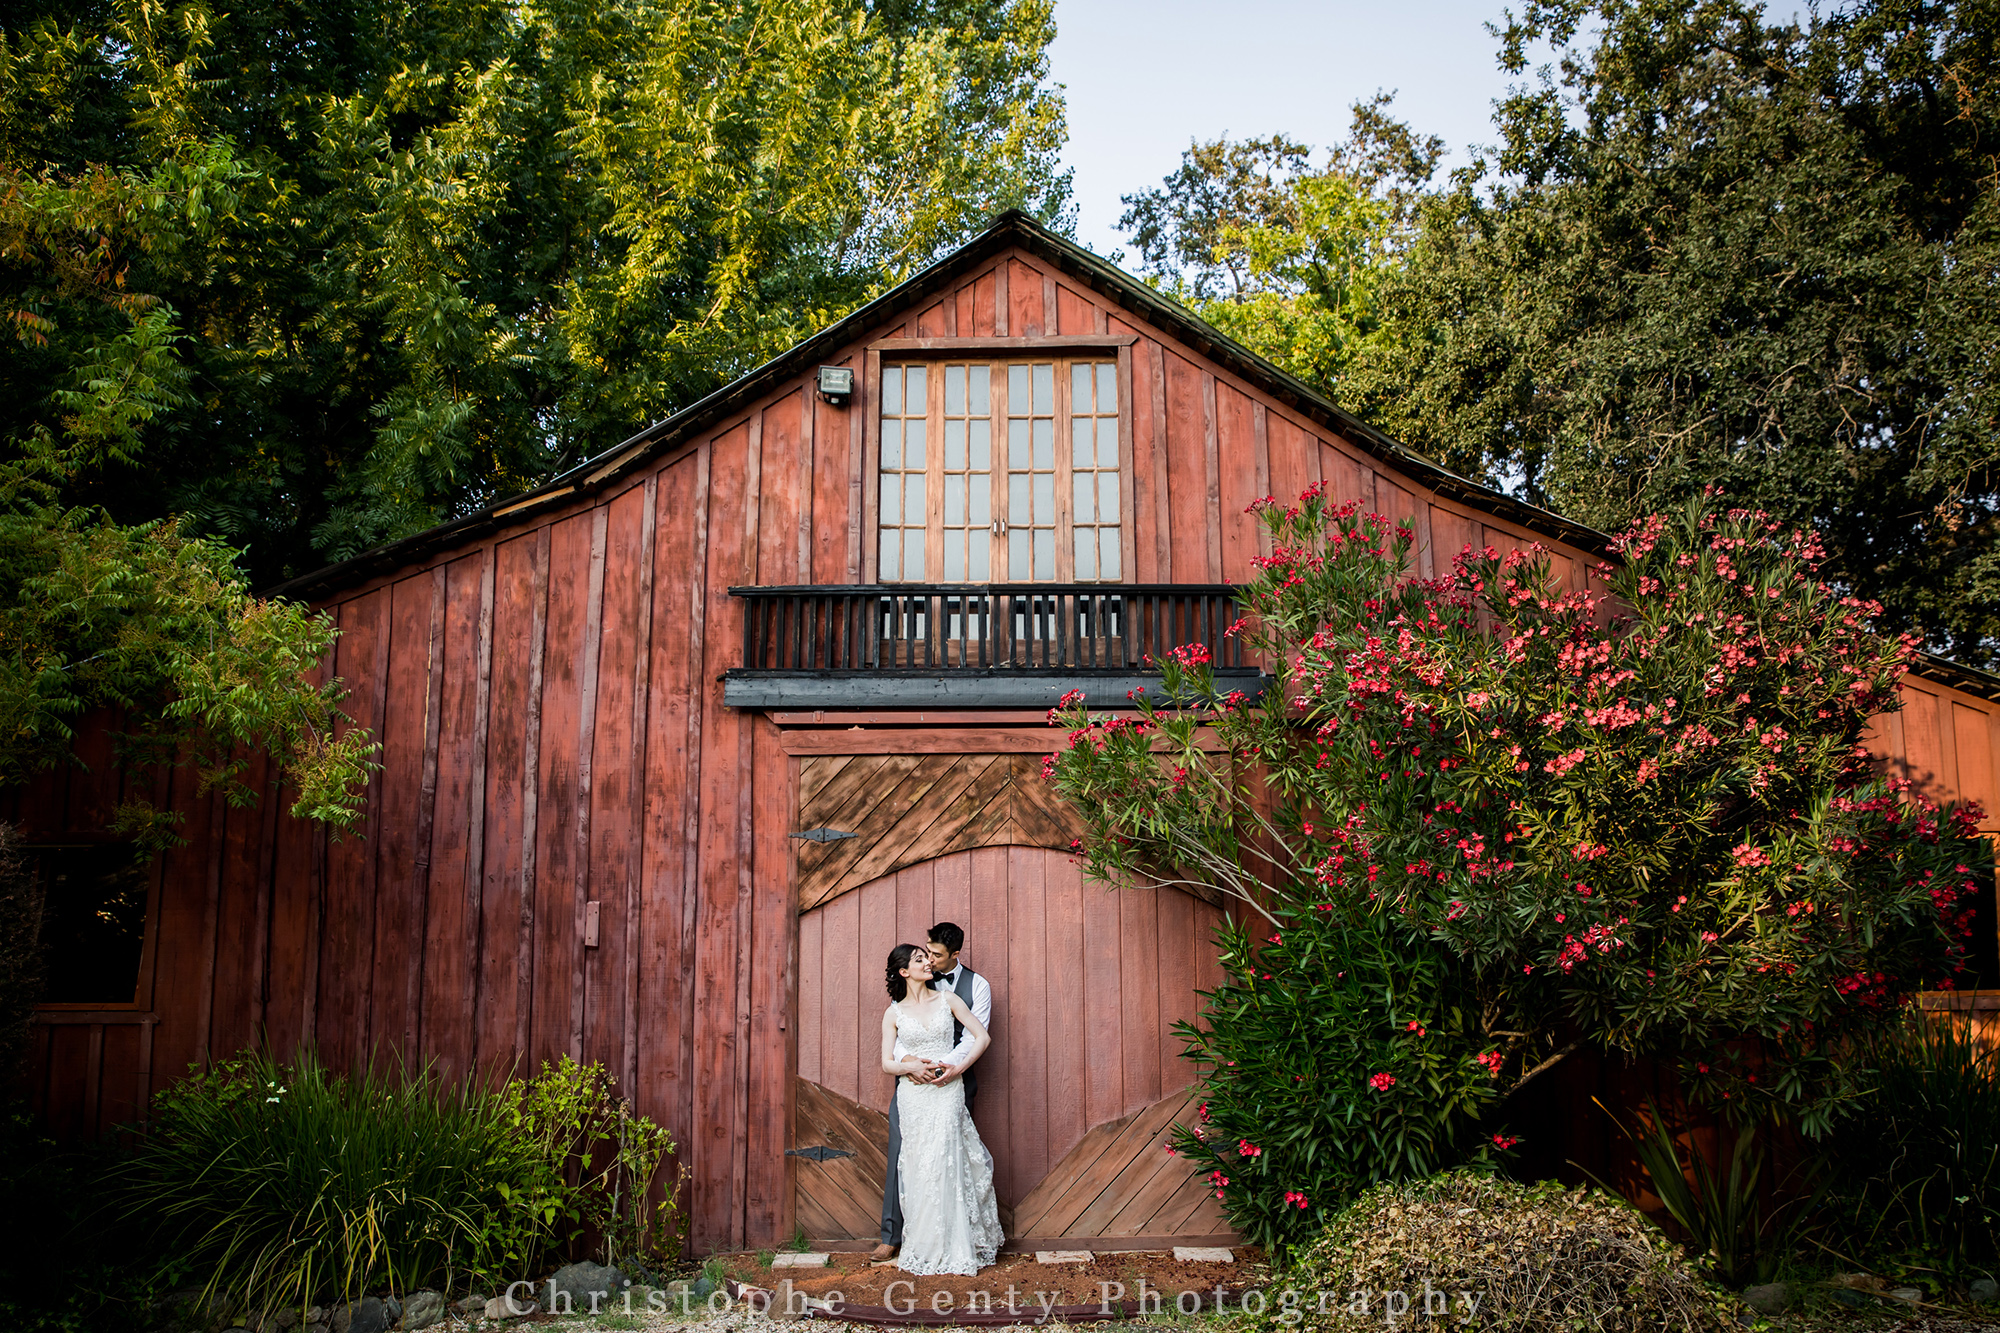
column 287, row 279
column 1712, row 248
column 391, row 261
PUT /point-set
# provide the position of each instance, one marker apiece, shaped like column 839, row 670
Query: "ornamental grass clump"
column 281, row 1185
column 1913, row 1171
column 1463, row 1250
column 1535, row 809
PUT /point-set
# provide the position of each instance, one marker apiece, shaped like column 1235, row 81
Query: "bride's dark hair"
column 899, row 958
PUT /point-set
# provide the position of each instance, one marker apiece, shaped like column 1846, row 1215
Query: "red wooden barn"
column 678, row 746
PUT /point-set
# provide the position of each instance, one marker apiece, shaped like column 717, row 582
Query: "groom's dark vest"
column 963, row 989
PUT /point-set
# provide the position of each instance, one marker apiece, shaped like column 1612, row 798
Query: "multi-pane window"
column 1093, row 424
column 904, row 512
column 968, row 474
column 1021, row 482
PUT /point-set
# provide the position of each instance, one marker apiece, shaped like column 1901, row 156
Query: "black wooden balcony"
column 983, row 645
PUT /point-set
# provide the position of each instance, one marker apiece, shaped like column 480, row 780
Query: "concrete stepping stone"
column 1063, row 1256
column 794, row 1259
column 1203, row 1254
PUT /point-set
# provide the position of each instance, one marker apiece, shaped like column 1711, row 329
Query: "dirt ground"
column 1035, row 1285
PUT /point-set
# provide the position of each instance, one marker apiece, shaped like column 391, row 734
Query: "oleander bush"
column 1482, row 821
column 1466, row 1250
column 1336, row 1059
column 282, row 1184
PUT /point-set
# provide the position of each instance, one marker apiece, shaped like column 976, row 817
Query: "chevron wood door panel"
column 1087, row 985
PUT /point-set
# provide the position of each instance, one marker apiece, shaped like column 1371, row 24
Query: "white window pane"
column 913, row 501
column 1017, row 444
column 1017, row 391
column 954, row 501
column 1017, row 500
column 913, row 443
column 982, row 446
column 954, row 558
column 1079, row 387
column 1107, row 442
column 1082, row 494
column 982, row 549
column 892, row 444
column 1107, row 545
column 1081, row 449
column 1045, row 443
column 913, row 554
column 1107, row 386
column 892, row 550
column 914, row 392
column 982, row 399
column 1086, row 553
column 1017, row 554
column 892, row 498
column 954, row 446
column 892, row 389
column 982, row 500
column 954, row 390
column 1045, row 390
column 1107, row 497
column 1045, row 554
column 1045, row 498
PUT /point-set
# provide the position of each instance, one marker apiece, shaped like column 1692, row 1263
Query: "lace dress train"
column 951, row 1217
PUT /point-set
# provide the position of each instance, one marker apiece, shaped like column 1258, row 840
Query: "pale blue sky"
column 1144, row 78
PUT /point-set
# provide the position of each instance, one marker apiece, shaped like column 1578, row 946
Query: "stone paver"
column 1204, row 1254
column 794, row 1259
column 1063, row 1256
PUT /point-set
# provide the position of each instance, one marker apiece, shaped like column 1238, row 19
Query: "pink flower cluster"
column 1382, row 1082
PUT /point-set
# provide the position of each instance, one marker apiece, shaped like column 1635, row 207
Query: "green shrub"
column 68, row 1262
column 592, row 1162
column 1501, row 1256
column 1914, row 1172
column 1334, row 1059
column 1724, row 1217
column 286, row 1184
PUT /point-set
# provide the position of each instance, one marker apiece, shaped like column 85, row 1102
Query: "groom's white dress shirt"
column 981, row 1005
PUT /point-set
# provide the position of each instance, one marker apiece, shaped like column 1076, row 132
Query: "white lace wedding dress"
column 951, row 1217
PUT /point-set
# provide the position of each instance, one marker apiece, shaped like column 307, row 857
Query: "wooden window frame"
column 113, row 1011
column 999, row 352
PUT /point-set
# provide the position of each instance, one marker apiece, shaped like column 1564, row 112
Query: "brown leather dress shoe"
column 882, row 1254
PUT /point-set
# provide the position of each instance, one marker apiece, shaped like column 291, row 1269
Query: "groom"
column 946, row 939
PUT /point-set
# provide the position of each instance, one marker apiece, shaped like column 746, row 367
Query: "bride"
column 951, row 1218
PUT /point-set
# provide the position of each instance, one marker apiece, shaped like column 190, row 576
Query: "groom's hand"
column 949, row 1073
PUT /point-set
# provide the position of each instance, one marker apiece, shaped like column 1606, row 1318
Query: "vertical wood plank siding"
column 554, row 737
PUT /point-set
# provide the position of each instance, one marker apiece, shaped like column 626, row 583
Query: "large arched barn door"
column 1084, row 1079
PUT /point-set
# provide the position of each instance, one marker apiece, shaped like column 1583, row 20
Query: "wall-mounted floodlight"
column 836, row 384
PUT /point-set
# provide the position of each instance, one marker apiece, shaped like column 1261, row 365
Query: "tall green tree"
column 1285, row 257
column 1717, row 249
column 288, row 279
column 446, row 249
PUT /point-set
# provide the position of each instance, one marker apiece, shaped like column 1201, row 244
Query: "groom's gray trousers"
column 892, row 1185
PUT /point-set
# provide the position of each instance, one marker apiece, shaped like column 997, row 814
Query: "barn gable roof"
column 1009, row 230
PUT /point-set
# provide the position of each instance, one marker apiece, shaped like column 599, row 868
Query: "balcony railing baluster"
column 1042, row 628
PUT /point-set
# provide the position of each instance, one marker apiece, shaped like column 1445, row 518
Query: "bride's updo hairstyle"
column 899, row 958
